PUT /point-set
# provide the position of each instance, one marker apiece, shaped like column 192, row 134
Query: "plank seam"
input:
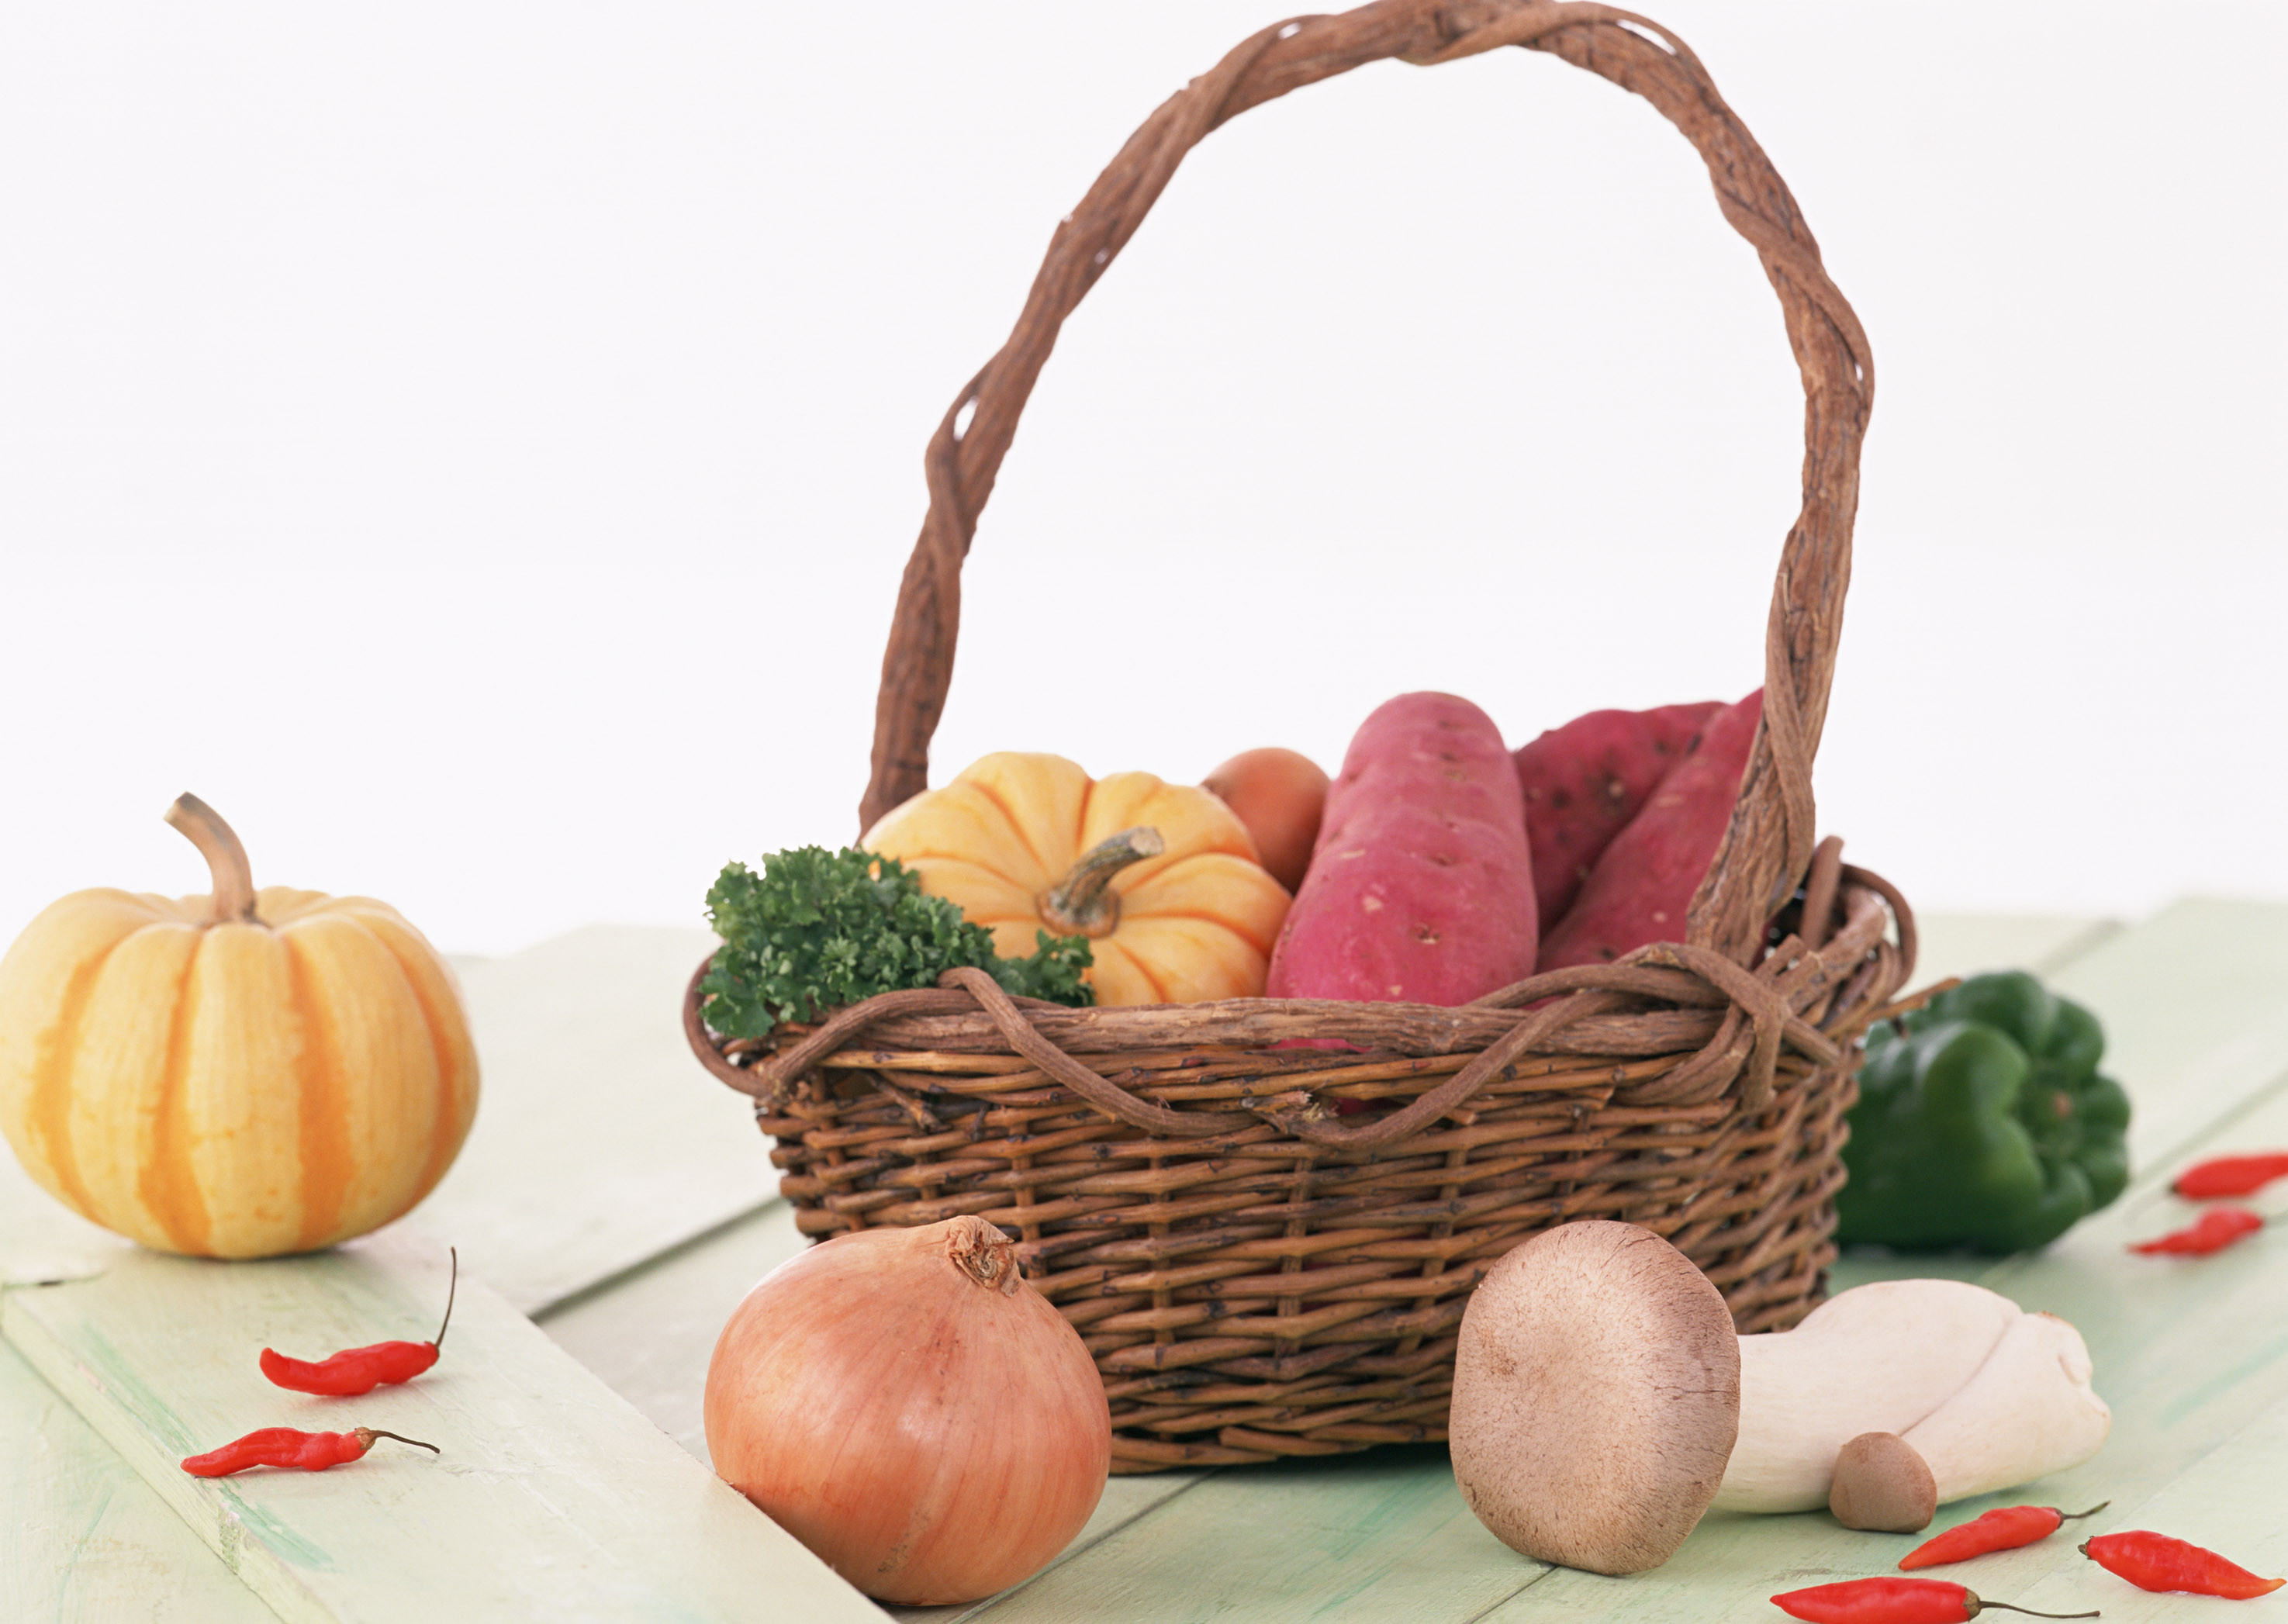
column 2099, row 932
column 980, row 1609
column 580, row 1296
column 2258, row 1099
column 254, row 1565
column 2128, row 1515
column 1488, row 1611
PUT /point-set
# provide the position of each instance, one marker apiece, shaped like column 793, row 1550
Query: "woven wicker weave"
column 1256, row 1274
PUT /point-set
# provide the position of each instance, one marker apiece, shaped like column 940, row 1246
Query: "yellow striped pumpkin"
column 235, row 1075
column 1024, row 843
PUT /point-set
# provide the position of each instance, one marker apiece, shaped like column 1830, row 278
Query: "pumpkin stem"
column 1084, row 904
column 233, row 875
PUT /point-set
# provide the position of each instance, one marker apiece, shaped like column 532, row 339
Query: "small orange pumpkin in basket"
column 1161, row 877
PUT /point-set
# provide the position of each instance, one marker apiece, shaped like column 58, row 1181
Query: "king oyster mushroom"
column 1988, row 1395
column 1602, row 1402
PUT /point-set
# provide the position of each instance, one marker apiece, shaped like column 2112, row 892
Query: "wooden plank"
column 1381, row 1536
column 650, row 1334
column 1125, row 1500
column 41, row 1238
column 82, row 1537
column 2231, row 1502
column 2195, row 1024
column 552, row 1498
column 1966, row 944
column 599, row 1142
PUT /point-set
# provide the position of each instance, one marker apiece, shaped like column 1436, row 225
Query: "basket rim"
column 1849, row 972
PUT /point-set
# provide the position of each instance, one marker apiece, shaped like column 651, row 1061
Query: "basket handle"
column 1767, row 847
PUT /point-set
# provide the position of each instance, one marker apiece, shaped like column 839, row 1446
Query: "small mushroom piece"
column 1882, row 1486
column 1596, row 1398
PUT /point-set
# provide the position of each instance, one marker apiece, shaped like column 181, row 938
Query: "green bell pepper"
column 1982, row 1123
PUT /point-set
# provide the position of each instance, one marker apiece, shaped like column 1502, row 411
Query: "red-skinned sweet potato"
column 1585, row 780
column 1639, row 890
column 1420, row 889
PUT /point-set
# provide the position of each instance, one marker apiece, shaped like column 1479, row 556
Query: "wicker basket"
column 1256, row 1274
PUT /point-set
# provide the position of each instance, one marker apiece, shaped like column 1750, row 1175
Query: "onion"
column 903, row 1402
column 1279, row 796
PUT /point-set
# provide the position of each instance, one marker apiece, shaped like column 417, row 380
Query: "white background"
column 475, row 446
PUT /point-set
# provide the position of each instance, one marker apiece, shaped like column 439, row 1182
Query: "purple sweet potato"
column 1583, row 781
column 1420, row 888
column 1639, row 890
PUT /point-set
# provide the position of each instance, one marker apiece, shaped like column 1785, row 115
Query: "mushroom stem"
column 233, row 875
column 1084, row 903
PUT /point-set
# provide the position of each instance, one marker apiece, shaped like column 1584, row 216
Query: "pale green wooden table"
column 616, row 1199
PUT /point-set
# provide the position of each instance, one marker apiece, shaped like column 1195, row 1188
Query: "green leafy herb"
column 817, row 930
column 1052, row 972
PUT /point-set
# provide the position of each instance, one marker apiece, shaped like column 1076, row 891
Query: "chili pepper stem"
column 1977, row 1607
column 2074, row 1516
column 366, row 1436
column 454, row 1286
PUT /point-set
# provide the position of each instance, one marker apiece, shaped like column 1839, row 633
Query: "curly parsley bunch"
column 817, row 930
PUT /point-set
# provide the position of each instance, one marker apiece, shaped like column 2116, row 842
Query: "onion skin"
column 1280, row 796
column 903, row 1403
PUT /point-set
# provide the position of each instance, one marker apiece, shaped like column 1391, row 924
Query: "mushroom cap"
column 1596, row 1398
column 1882, row 1484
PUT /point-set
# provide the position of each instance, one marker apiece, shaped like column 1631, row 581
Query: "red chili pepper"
column 1896, row 1601
column 2155, row 1562
column 309, row 1452
column 2204, row 1181
column 2004, row 1528
column 2218, row 1228
column 360, row 1370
